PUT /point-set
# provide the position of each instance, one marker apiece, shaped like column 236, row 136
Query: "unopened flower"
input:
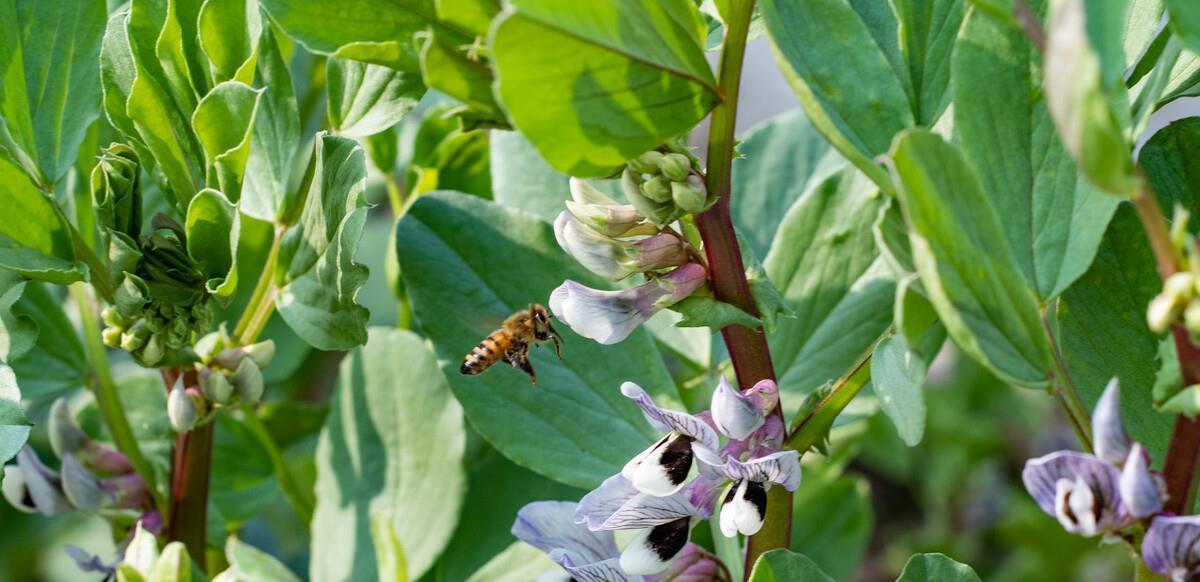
column 1138, row 486
column 181, row 409
column 616, row 259
column 738, row 414
column 1111, row 442
column 652, row 199
column 694, row 564
column 1080, row 490
column 603, row 214
column 663, row 468
column 690, row 194
column 610, row 316
column 1169, row 547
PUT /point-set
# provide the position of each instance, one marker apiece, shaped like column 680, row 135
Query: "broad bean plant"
column 192, row 345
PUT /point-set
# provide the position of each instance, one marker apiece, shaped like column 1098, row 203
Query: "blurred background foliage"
column 859, row 517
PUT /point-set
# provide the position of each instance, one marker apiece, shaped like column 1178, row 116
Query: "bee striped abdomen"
column 489, row 351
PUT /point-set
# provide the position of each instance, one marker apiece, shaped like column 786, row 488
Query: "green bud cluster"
column 663, row 186
column 1179, row 301
column 152, row 330
column 231, row 374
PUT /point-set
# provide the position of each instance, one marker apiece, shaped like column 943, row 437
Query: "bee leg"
column 519, row 359
column 554, row 335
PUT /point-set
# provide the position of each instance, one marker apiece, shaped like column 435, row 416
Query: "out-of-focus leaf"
column 243, row 480
column 1053, row 218
column 519, row 563
column 17, row 332
column 897, row 375
column 782, row 159
column 276, row 136
column 49, row 82
column 522, row 180
column 229, row 33
column 780, row 565
column 1103, row 334
column 1085, row 90
column 473, row 16
column 1171, row 162
column 1185, row 21
column 444, row 157
column 548, row 429
column 831, row 524
column 365, row 99
column 362, row 30
column 56, row 362
column 927, row 33
column 936, row 568
column 144, row 401
column 316, row 275
column 14, row 428
column 965, row 263
column 38, row 245
column 391, row 451
column 212, row 228
column 248, row 563
column 594, row 84
column 223, row 122
column 825, row 264
column 691, row 344
column 497, row 489
column 446, row 68
column 389, row 554
column 860, row 123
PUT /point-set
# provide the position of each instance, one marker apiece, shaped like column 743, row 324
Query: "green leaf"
column 389, row 554
column 780, row 565
column 1102, row 330
column 689, row 343
column 1185, row 21
column 782, row 158
column 916, row 320
column 707, row 312
column 897, row 375
column 1171, row 161
column 212, row 228
column 859, row 120
column 144, row 400
column 927, row 32
column 522, row 180
column 316, row 276
column 472, row 16
column 362, row 30
column 831, row 523
column 496, row 491
column 39, row 245
column 936, row 568
column 549, row 429
column 824, row 262
column 1186, row 402
column 229, row 32
column 276, row 136
column 56, row 362
column 365, row 99
column 1085, row 90
column 445, row 67
column 1054, row 218
column 391, row 451
column 243, row 482
column 248, row 563
column 223, row 122
column 519, row 563
column 965, row 263
column 445, row 157
column 18, row 333
column 595, row 84
column 14, row 428
column 50, row 91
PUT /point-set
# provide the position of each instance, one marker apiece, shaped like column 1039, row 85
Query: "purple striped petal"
column 781, row 468
column 550, row 525
column 735, row 414
column 617, row 504
column 581, row 570
column 1172, row 546
column 1138, row 486
column 1065, row 482
column 1112, row 444
column 670, row 420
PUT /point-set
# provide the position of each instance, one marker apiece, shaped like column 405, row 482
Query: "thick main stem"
column 1183, row 452
column 727, row 273
column 191, row 466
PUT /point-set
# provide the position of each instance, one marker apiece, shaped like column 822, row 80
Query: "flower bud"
column 131, row 296
column 142, row 551
column 135, row 337
column 113, row 318
column 152, row 353
column 1162, row 312
column 217, row 387
column 736, row 414
column 248, row 381
column 647, row 163
column 691, row 195
column 261, row 353
column 116, row 192
column 603, row 214
column 181, row 411
column 210, row 344
column 656, row 212
column 657, row 189
column 675, row 167
column 1110, row 441
column 111, row 336
column 1191, row 317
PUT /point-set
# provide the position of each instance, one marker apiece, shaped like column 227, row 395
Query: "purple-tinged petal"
column 89, row 562
column 597, row 253
column 43, row 485
column 1172, row 546
column 66, row 437
column 781, row 468
column 617, row 504
column 581, row 570
column 693, row 564
column 1139, row 488
column 1111, row 442
column 92, row 494
column 550, row 525
column 735, row 414
column 1065, row 482
column 607, row 317
column 652, row 549
column 670, row 420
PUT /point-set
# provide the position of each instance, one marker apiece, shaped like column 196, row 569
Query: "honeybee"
column 511, row 343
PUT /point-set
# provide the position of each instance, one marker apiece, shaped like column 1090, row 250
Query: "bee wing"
column 483, row 322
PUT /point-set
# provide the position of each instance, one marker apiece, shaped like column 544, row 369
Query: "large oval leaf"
column 464, row 258
column 593, row 84
column 965, row 263
column 391, row 451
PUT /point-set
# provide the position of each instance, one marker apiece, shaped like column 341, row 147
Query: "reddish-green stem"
column 191, row 466
column 727, row 273
column 1183, row 452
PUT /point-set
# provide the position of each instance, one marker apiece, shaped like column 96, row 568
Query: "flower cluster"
column 226, row 375
column 615, row 241
column 662, row 186
column 1112, row 490
column 664, row 490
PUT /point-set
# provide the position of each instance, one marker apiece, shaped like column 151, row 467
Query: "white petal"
column 665, row 470
column 15, row 491
column 728, row 525
column 1138, row 487
column 734, row 414
column 1082, row 502
column 1062, row 493
column 746, row 509
column 1112, row 445
column 607, row 317
column 652, row 550
column 628, row 469
column 556, row 575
